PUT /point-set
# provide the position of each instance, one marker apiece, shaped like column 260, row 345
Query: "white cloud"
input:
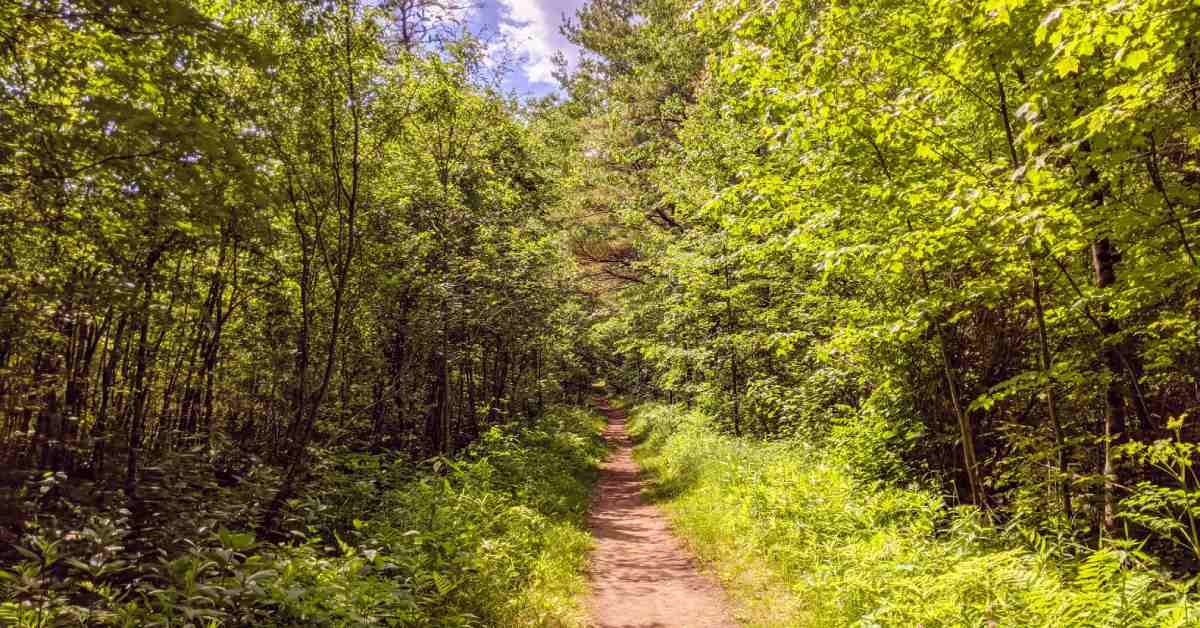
column 532, row 31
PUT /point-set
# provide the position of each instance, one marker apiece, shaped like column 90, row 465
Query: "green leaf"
column 1066, row 65
column 1135, row 59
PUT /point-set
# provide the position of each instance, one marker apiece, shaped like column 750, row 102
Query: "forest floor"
column 642, row 576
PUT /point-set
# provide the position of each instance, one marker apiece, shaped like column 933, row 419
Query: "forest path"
column 642, row 577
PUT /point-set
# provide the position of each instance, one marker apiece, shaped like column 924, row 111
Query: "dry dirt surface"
column 642, row 577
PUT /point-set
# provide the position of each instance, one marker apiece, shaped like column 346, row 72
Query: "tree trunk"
column 1103, row 262
column 137, row 423
column 1064, row 483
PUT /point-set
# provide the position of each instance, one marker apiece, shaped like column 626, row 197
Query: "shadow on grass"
column 657, row 489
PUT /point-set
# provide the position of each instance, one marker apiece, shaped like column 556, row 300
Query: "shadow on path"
column 642, row 577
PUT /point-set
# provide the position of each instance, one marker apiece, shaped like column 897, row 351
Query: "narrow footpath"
column 642, row 577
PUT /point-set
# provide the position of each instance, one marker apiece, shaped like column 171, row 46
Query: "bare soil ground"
column 642, row 576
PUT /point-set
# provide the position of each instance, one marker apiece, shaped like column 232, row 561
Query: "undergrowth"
column 804, row 543
column 496, row 537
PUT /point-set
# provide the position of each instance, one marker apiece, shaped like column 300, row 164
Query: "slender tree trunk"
column 436, row 417
column 137, row 423
column 1064, row 482
column 49, row 413
column 965, row 430
column 107, row 378
column 734, row 370
column 1064, row 485
column 472, row 417
column 1103, row 261
column 378, row 413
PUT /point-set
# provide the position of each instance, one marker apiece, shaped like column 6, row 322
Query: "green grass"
column 800, row 542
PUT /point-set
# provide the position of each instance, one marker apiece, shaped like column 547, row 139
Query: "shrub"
column 496, row 537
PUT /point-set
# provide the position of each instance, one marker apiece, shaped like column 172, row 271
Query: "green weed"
column 804, row 543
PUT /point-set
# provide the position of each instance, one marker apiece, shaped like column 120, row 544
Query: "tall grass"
column 802, row 543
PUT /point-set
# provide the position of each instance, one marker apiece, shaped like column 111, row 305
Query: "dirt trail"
column 641, row 576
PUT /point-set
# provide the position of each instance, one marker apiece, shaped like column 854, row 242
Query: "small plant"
column 1171, row 512
column 35, row 590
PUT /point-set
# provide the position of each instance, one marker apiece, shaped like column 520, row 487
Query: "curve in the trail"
column 642, row 577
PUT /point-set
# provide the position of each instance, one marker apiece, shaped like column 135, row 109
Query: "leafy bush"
column 845, row 552
column 877, row 442
column 494, row 538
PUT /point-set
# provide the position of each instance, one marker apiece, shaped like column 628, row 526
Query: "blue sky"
column 530, row 28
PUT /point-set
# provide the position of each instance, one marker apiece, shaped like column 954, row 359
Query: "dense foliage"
column 495, row 538
column 255, row 227
column 263, row 260
column 258, row 260
column 954, row 239
column 804, row 543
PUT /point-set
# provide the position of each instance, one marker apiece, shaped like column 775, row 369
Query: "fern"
column 851, row 553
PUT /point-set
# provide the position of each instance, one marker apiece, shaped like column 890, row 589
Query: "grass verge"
column 800, row 542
